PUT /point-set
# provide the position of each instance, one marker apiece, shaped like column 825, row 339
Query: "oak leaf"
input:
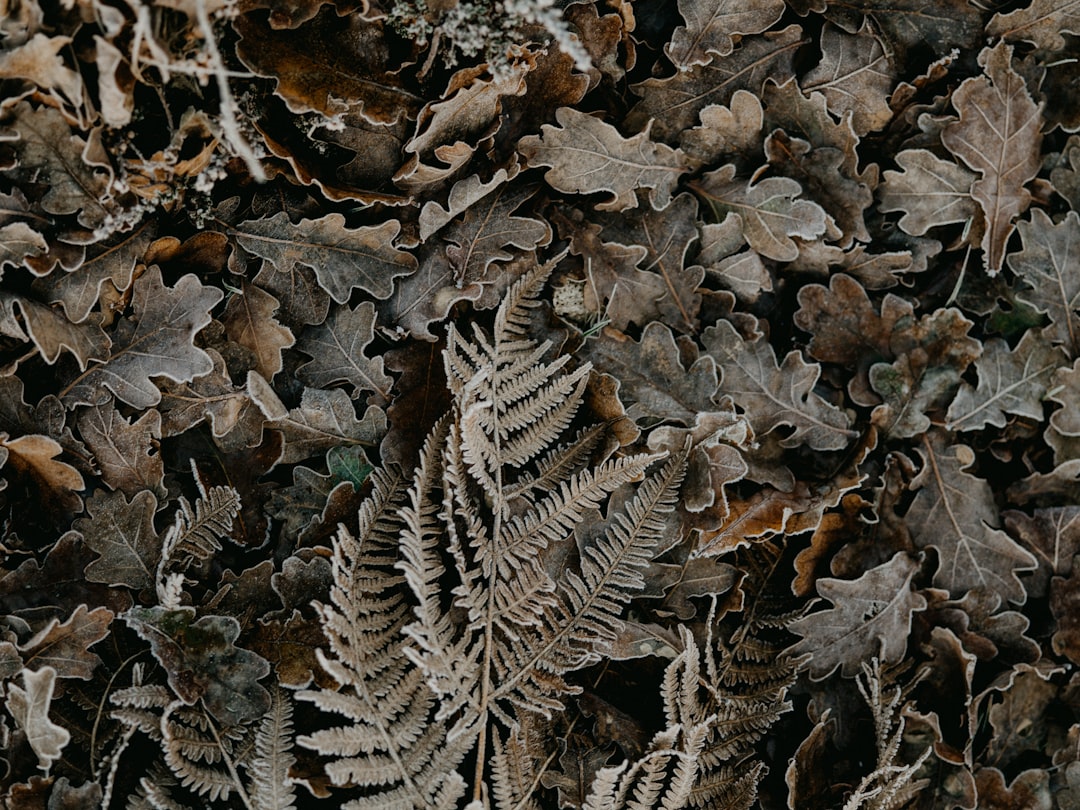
column 712, row 24
column 732, row 133
column 35, row 457
column 871, row 616
column 675, row 102
column 772, row 394
column 66, row 164
column 484, row 231
column 39, row 61
column 18, row 242
column 50, row 331
column 1042, row 23
column 769, row 212
column 998, row 135
column 1053, row 535
column 652, row 374
column 157, row 342
column 1066, row 392
column 856, row 76
column 29, row 705
column 329, row 65
column 122, row 532
column 930, row 191
column 906, row 24
column 343, row 258
column 954, row 512
column 1011, row 381
column 1046, row 264
column 249, row 320
column 589, row 156
column 64, row 647
column 337, row 351
column 124, row 451
column 202, row 661
column 324, row 419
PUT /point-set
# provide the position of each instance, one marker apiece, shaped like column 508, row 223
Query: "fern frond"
column 559, row 463
column 153, row 792
column 195, row 532
column 268, row 770
column 513, row 772
column 392, row 745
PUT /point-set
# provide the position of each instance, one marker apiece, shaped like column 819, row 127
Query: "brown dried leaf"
column 35, row 457
column 675, row 102
column 954, row 512
column 249, row 320
column 932, row 353
column 711, row 24
column 772, row 395
column 998, row 135
column 905, row 24
column 157, row 343
column 1030, row 790
column 1046, row 264
column 1041, row 23
column 337, row 351
column 479, row 237
column 651, row 374
column 1053, row 535
column 856, row 76
column 342, row 258
column 329, row 65
column 871, row 616
column 122, row 533
column 1011, row 381
column 124, row 451
column 323, row 420
column 51, row 155
column 589, row 156
column 39, row 61
column 733, row 133
column 769, row 212
column 50, row 331
column 930, row 191
column 65, row 647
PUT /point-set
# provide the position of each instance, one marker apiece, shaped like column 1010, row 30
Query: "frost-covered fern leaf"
column 663, row 778
column 391, row 747
column 268, row 769
column 196, row 532
column 749, row 678
column 495, row 493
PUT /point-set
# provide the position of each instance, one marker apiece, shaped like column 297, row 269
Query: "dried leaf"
column 652, row 375
column 30, row 708
column 675, row 102
column 203, row 663
column 855, row 76
column 711, row 24
column 772, row 395
column 769, row 212
column 589, row 156
column 249, row 320
column 479, row 237
column 1042, row 23
column 1045, row 264
column 159, row 342
column 954, row 512
column 998, row 135
column 1010, row 382
column 871, row 616
column 1053, row 535
column 124, row 452
column 63, row 647
column 342, row 258
column 122, row 533
column 337, row 351
column 930, row 191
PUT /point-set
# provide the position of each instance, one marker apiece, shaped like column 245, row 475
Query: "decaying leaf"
column 871, row 616
column 998, row 135
column 930, row 191
column 158, row 342
column 29, row 705
column 954, row 512
column 710, row 26
column 588, row 156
